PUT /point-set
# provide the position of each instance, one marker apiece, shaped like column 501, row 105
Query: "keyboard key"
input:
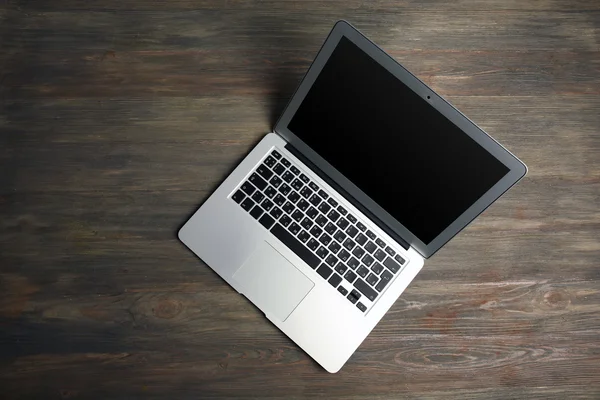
column 342, row 223
column 356, row 293
column 276, row 154
column 313, row 244
column 350, row 276
column 279, row 200
column 372, row 279
column 361, row 226
column 287, row 176
column 322, row 252
column 316, row 231
column 238, row 196
column 297, row 247
column 361, row 239
column 380, row 243
column 295, row 170
column 315, row 200
column 352, row 298
column 370, row 247
column 297, row 215
column 332, row 202
column 324, row 208
column 362, row 271
column 297, row 184
column 351, row 218
column 247, row 204
column 379, row 255
column 324, row 271
column 293, row 197
column 306, row 223
column 399, row 259
column 368, row 260
column 358, row 252
column 323, row 194
column 390, row 251
column 321, row 220
column 330, row 228
column 342, row 210
column 306, row 192
column 312, row 212
column 248, row 188
column 335, row 280
column 295, row 228
column 303, row 236
column 342, row 290
column 340, row 268
column 391, row 265
column 264, row 172
column 270, row 192
column 331, row 260
column 285, row 220
column 279, row 169
column 349, row 244
column 377, row 268
column 361, row 306
column 285, row 162
column 256, row 212
column 284, row 189
column 288, row 207
column 303, row 205
column 386, row 277
column 258, row 181
column 344, row 255
column 276, row 212
column 353, row 263
column 333, row 215
column 365, row 289
column 334, row 247
column 304, row 178
column 351, row 231
column 371, row 235
column 340, row 236
column 325, row 239
column 313, row 186
column 275, row 181
column 258, row 197
column 267, row 204
column 267, row 221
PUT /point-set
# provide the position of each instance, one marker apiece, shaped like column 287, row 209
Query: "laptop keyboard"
column 321, row 232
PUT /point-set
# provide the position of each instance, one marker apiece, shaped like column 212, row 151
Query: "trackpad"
column 271, row 282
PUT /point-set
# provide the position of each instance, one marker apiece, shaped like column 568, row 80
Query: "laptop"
column 329, row 218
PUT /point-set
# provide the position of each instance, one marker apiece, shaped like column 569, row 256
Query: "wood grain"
column 118, row 118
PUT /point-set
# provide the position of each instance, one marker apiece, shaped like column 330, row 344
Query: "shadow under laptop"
column 280, row 53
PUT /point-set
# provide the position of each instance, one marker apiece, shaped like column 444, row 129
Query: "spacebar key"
column 296, row 246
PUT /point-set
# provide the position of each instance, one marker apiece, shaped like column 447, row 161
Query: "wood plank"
column 315, row 6
column 221, row 72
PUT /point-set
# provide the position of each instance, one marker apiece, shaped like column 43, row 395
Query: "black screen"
column 392, row 144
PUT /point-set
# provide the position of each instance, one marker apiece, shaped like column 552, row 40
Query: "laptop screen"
column 392, row 144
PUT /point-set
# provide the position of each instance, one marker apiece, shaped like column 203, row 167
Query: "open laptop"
column 329, row 218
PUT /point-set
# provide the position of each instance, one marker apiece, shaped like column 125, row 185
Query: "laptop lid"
column 392, row 144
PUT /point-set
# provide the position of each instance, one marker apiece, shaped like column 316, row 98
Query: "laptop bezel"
column 517, row 168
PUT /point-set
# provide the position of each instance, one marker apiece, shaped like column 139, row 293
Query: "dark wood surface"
column 118, row 118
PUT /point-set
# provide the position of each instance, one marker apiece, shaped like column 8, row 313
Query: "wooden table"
column 118, row 118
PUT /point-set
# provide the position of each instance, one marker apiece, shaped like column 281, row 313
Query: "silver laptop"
column 329, row 218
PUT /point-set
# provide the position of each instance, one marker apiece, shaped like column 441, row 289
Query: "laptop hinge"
column 384, row 227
